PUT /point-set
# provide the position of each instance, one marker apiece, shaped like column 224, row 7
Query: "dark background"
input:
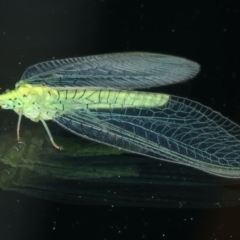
column 32, row 31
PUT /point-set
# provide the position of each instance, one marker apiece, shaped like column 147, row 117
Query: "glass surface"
column 88, row 173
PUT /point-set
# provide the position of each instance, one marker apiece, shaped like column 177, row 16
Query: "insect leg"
column 18, row 125
column 50, row 135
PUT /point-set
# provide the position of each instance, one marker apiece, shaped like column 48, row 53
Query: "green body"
column 39, row 102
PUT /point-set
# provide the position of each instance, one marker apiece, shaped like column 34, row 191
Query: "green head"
column 8, row 100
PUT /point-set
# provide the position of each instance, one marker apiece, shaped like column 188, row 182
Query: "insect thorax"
column 35, row 102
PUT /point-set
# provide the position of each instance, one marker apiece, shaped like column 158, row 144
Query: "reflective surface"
column 93, row 174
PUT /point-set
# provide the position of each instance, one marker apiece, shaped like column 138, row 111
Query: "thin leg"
column 50, row 135
column 18, row 126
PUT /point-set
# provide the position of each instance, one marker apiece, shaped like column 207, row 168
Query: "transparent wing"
column 182, row 131
column 118, row 70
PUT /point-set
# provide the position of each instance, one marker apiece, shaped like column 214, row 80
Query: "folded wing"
column 182, row 131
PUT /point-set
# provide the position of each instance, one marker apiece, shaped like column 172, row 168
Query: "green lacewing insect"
column 93, row 97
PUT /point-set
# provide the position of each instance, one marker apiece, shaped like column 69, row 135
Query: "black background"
column 32, row 31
